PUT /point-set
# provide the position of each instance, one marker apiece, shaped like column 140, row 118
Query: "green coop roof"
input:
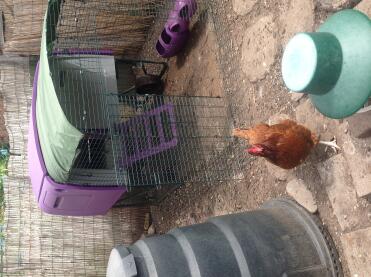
column 59, row 139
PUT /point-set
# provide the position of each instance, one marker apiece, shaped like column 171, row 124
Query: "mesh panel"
column 149, row 143
column 34, row 243
column 129, row 140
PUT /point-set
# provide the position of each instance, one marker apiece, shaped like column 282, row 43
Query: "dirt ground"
column 236, row 54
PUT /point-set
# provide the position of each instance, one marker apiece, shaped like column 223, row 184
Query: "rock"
column 360, row 167
column 259, row 48
column 365, row 7
column 277, row 118
column 307, row 115
column 339, row 187
column 151, row 230
column 279, row 173
column 334, row 5
column 359, row 125
column 296, row 16
column 298, row 190
column 296, row 96
column 363, row 186
column 348, row 147
column 243, row 7
column 147, row 221
column 357, row 250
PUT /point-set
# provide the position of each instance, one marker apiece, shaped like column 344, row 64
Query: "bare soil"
column 237, row 56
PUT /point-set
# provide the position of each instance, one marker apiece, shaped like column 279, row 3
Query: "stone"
column 277, row 118
column 278, row 173
column 296, row 96
column 307, row 115
column 334, row 5
column 359, row 125
column 357, row 250
column 296, row 16
column 151, row 230
column 259, row 48
column 243, row 7
column 340, row 190
column 363, row 186
column 360, row 167
column 365, row 7
column 297, row 189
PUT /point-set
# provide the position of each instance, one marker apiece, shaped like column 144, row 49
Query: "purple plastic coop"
column 63, row 199
column 94, row 143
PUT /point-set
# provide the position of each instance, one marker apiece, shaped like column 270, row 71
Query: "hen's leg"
column 331, row 144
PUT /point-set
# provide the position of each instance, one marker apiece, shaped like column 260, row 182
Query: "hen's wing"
column 289, row 126
column 291, row 146
column 264, row 133
column 253, row 135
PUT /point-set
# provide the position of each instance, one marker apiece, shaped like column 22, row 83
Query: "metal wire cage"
column 121, row 139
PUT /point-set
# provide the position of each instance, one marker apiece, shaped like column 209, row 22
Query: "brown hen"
column 286, row 144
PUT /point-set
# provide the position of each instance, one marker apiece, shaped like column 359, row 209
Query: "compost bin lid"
column 121, row 263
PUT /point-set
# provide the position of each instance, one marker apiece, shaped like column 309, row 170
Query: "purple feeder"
column 185, row 8
column 63, row 199
column 170, row 43
column 176, row 24
column 176, row 30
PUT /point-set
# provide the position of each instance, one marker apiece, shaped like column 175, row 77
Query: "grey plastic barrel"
column 280, row 239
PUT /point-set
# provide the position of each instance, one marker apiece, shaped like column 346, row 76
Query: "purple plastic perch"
column 148, row 134
column 62, row 199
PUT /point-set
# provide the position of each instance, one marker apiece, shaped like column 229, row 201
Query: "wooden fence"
column 118, row 25
column 37, row 244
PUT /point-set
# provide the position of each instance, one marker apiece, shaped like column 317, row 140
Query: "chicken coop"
column 96, row 139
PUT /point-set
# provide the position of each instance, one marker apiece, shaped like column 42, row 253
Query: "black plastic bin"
column 280, row 239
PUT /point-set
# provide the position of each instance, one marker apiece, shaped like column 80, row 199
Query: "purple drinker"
column 176, row 32
column 185, row 8
column 170, row 43
column 175, row 24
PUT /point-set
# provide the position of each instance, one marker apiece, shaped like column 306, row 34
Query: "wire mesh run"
column 161, row 140
column 129, row 140
column 119, row 25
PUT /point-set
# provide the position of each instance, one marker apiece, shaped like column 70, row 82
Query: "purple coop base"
column 63, row 199
column 148, row 134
